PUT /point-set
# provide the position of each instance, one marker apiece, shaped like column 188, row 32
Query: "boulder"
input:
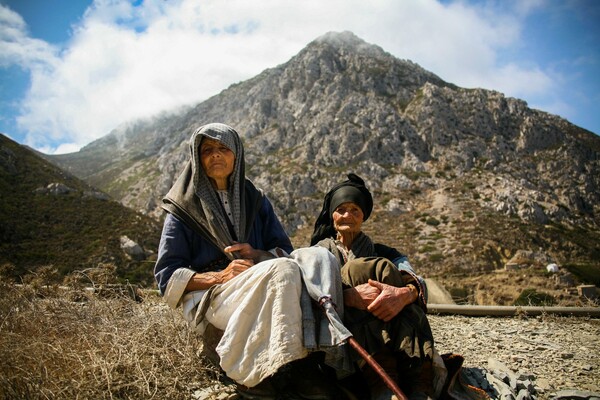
column 132, row 249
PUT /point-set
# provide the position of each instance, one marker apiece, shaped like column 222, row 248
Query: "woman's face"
column 348, row 218
column 217, row 161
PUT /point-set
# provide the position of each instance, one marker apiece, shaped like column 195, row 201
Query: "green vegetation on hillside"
column 70, row 231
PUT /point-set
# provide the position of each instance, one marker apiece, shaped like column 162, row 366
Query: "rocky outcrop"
column 55, row 188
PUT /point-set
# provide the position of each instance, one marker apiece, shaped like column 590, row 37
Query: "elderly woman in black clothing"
column 385, row 301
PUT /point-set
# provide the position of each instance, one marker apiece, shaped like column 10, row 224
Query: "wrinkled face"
column 348, row 218
column 217, row 161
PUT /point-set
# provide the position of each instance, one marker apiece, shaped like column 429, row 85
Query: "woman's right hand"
column 246, row 251
column 235, row 268
column 205, row 280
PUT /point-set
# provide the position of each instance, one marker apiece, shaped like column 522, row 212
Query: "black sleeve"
column 388, row 252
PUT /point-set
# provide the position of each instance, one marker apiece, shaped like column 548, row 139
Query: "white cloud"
column 521, row 82
column 126, row 62
column 17, row 48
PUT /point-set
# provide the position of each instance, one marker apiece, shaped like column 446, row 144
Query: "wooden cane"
column 326, row 302
column 378, row 369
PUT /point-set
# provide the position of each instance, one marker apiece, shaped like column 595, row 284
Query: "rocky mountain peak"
column 465, row 169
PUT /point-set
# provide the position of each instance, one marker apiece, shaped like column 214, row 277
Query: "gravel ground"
column 551, row 357
column 557, row 353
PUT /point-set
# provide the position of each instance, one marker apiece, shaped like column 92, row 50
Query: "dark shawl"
column 362, row 246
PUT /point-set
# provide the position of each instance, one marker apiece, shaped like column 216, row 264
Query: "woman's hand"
column 382, row 300
column 391, row 300
column 246, row 251
column 234, row 268
column 205, row 280
column 361, row 296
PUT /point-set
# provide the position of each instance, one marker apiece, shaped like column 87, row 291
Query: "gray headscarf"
column 194, row 200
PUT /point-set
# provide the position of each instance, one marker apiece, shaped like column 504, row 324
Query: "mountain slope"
column 50, row 218
column 464, row 179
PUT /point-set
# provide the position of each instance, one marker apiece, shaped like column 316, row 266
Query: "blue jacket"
column 181, row 247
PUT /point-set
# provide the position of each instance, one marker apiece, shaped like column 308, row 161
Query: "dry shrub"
column 102, row 274
column 115, row 348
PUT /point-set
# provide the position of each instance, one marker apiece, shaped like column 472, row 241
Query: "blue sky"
column 73, row 70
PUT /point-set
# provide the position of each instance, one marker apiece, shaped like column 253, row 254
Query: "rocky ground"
column 557, row 357
column 545, row 357
column 518, row 358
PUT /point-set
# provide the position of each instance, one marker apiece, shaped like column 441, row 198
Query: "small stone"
column 575, row 395
column 523, row 395
column 503, row 376
column 523, row 376
column 528, row 385
column 539, row 390
column 543, row 385
column 496, row 365
column 501, row 387
column 566, row 356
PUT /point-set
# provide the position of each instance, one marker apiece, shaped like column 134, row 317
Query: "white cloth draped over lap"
column 266, row 314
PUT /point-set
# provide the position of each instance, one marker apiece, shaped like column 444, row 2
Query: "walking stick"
column 325, row 302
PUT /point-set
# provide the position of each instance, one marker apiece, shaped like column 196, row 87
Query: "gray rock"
column 526, row 385
column 132, row 249
column 575, row 395
column 55, row 188
column 503, row 389
column 523, row 395
column 566, row 355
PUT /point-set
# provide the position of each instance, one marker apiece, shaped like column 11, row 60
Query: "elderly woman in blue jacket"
column 224, row 257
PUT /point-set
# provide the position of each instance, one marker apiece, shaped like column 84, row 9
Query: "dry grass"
column 71, row 344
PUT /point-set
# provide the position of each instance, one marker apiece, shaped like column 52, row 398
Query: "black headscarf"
column 351, row 190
